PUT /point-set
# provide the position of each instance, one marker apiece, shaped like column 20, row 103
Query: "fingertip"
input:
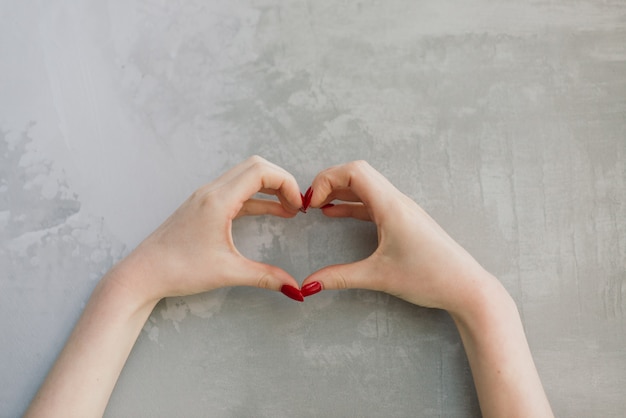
column 311, row 288
column 267, row 276
column 291, row 199
column 306, row 199
column 292, row 292
column 322, row 279
column 322, row 190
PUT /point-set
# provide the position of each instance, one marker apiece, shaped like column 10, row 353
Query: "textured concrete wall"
column 505, row 119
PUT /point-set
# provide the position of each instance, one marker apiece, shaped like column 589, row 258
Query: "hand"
column 416, row 259
column 193, row 250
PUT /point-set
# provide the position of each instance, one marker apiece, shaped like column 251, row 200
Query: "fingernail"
column 307, row 197
column 327, row 205
column 292, row 292
column 311, row 289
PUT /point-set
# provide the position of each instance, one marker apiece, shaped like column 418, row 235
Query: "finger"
column 265, row 176
column 246, row 272
column 268, row 191
column 281, row 198
column 371, row 187
column 346, row 195
column 348, row 210
column 243, row 166
column 358, row 275
column 237, row 170
column 255, row 207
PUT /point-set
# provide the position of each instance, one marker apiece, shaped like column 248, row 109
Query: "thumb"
column 358, row 275
column 257, row 274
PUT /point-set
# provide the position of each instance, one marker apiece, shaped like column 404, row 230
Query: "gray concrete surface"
column 505, row 119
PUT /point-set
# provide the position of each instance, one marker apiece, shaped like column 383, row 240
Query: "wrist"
column 484, row 300
column 128, row 280
column 507, row 382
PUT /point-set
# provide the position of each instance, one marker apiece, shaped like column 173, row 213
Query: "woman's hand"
column 193, row 250
column 416, row 259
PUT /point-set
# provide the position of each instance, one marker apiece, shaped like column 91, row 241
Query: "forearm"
column 84, row 375
column 504, row 373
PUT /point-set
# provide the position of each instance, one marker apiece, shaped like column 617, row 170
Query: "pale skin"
column 416, row 260
column 193, row 252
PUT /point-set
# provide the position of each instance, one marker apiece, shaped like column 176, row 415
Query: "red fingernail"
column 311, row 289
column 292, row 292
column 307, row 198
column 327, row 205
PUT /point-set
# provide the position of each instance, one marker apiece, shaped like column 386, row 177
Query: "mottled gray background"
column 505, row 119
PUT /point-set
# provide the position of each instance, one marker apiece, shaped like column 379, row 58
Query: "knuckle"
column 206, row 200
column 341, row 281
column 264, row 280
column 196, row 195
column 357, row 167
column 256, row 162
column 256, row 159
column 258, row 166
column 360, row 165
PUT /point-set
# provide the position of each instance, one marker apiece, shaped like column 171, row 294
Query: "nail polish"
column 306, row 199
column 311, row 289
column 292, row 292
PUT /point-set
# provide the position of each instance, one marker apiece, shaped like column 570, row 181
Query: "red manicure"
column 311, row 289
column 306, row 199
column 292, row 292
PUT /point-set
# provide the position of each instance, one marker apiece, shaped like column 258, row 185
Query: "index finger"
column 264, row 176
column 371, row 187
